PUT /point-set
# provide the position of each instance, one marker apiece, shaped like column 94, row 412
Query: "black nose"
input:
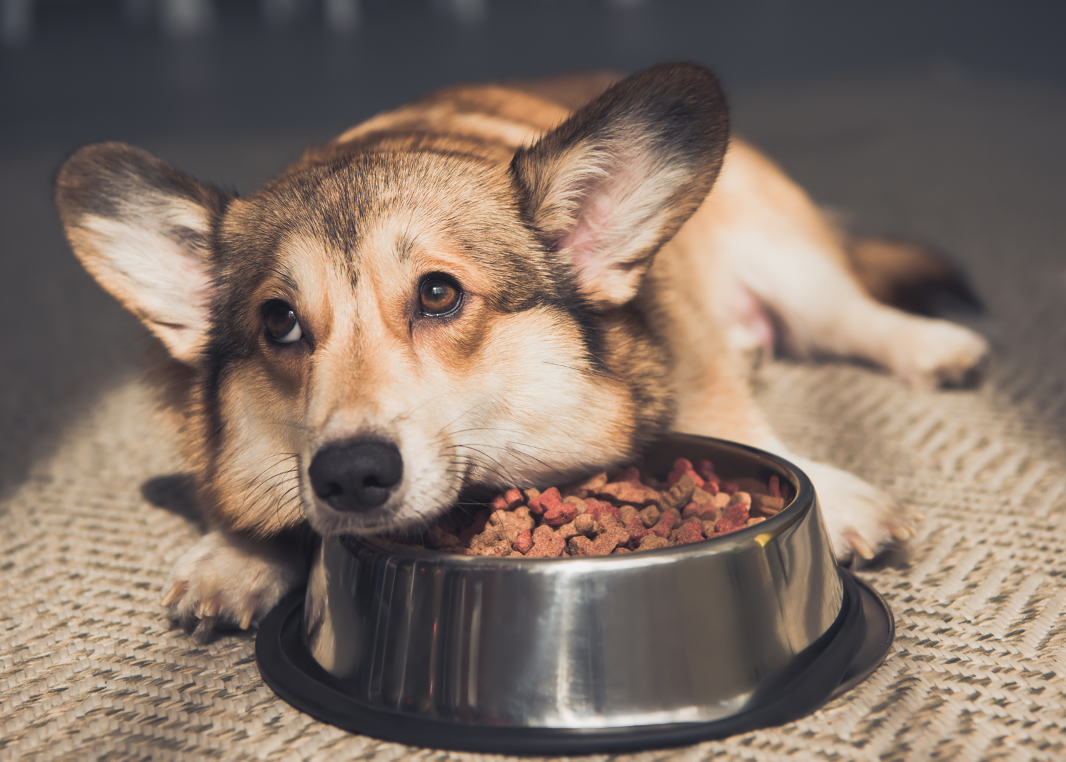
column 357, row 476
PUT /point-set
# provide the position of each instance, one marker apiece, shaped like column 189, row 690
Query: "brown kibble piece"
column 567, row 530
column 585, row 487
column 752, row 486
column 653, row 541
column 610, row 538
column 680, row 494
column 546, row 544
column 700, row 511
column 438, row 539
column 627, row 492
column 689, row 532
column 585, row 524
column 650, row 515
column 580, row 545
column 767, row 505
column 578, row 503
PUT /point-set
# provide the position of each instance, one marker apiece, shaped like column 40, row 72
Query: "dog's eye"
column 439, row 296
column 281, row 323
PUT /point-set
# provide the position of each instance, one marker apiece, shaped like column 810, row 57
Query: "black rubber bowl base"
column 845, row 656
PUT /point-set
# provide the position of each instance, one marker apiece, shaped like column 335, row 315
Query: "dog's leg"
column 229, row 579
column 715, row 399
column 781, row 248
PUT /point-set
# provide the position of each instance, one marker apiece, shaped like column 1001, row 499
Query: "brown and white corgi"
column 494, row 286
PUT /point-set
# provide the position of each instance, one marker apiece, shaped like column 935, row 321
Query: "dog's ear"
column 615, row 181
column 143, row 230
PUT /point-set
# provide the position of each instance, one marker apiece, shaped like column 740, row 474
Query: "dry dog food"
column 602, row 515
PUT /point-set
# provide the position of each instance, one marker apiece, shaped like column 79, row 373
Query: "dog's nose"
column 356, row 476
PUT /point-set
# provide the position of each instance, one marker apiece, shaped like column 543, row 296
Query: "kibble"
column 604, row 515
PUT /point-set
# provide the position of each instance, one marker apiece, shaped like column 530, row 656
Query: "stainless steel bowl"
column 580, row 654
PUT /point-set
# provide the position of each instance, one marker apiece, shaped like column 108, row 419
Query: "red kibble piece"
column 729, row 488
column 690, row 532
column 524, row 542
column 726, row 525
column 683, row 466
column 636, row 530
column 665, row 525
column 599, row 508
column 512, row 498
column 546, row 499
column 706, row 470
column 559, row 514
column 738, row 512
column 736, row 517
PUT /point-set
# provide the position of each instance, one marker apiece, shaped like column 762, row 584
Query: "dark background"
column 236, row 101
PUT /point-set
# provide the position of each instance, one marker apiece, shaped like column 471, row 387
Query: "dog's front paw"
column 936, row 353
column 226, row 580
column 861, row 520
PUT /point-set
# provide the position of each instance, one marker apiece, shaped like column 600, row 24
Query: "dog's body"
column 479, row 290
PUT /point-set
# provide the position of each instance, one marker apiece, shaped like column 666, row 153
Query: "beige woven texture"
column 89, row 667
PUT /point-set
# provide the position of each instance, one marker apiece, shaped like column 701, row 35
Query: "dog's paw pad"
column 225, row 581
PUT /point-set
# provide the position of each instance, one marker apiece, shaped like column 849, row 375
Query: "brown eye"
column 280, row 322
column 439, row 296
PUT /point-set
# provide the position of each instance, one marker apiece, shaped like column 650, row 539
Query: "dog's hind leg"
column 861, row 519
column 781, row 248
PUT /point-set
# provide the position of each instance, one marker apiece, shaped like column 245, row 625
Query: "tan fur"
column 607, row 295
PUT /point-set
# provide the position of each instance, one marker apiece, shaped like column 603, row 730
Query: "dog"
column 493, row 286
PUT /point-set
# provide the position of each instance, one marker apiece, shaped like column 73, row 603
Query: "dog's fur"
column 598, row 293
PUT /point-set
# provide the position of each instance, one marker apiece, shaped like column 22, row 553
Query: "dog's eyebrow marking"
column 405, row 246
column 287, row 279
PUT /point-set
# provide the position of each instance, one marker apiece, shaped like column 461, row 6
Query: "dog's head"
column 372, row 335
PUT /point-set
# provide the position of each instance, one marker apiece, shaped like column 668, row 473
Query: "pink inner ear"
column 600, row 217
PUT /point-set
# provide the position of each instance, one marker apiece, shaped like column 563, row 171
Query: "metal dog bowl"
column 577, row 655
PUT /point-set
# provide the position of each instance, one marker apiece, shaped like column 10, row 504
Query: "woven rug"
column 90, row 668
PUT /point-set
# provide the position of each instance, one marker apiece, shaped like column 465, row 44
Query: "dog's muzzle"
column 356, row 476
